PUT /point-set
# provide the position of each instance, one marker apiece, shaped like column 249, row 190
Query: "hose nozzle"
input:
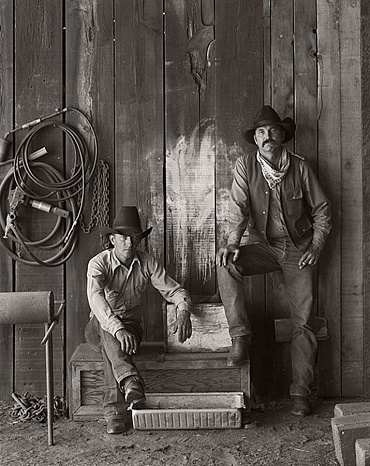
column 41, row 205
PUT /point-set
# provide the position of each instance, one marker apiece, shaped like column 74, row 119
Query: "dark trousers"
column 262, row 258
column 117, row 365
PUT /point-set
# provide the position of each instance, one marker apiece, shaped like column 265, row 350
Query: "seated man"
column 117, row 280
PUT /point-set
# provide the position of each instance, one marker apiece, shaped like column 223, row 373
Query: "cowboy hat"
column 268, row 116
column 127, row 222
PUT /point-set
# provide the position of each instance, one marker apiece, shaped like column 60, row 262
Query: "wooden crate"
column 163, row 373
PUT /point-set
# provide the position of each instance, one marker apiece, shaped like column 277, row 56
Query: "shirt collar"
column 116, row 263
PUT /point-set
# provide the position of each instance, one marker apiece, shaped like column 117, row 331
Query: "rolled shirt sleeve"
column 168, row 287
column 97, row 278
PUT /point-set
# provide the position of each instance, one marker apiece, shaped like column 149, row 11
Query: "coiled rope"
column 43, row 186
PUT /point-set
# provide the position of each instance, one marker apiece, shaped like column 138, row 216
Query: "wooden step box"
column 198, row 365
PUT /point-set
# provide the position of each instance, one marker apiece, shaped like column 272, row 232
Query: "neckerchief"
column 270, row 173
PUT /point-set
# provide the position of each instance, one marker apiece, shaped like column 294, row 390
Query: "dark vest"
column 295, row 209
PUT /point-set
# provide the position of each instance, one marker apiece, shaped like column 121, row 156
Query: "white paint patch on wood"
column 190, row 172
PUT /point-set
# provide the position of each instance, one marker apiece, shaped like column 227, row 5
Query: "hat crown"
column 127, row 217
column 266, row 115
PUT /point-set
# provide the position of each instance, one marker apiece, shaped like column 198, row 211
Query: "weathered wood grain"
column 365, row 99
column 305, row 80
column 172, row 148
column 190, row 154
column 210, row 330
column 6, row 123
column 89, row 87
column 282, row 100
column 38, row 91
column 329, row 170
column 352, row 204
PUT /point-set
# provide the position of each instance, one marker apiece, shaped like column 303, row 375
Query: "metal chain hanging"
column 100, row 202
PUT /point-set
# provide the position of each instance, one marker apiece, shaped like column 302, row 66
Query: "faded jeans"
column 281, row 255
column 117, row 365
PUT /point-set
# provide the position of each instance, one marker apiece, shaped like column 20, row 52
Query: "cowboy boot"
column 133, row 387
column 301, row 406
column 115, row 426
column 239, row 352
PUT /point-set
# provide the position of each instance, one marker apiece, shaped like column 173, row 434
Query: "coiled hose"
column 35, row 182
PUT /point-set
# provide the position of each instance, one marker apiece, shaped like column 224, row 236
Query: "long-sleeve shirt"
column 305, row 208
column 114, row 290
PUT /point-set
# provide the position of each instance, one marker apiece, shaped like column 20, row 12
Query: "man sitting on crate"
column 117, row 280
column 276, row 195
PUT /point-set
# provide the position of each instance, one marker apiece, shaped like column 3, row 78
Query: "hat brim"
column 106, row 231
column 287, row 125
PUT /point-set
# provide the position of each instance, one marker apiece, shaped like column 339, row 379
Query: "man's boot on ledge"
column 133, row 388
column 239, row 352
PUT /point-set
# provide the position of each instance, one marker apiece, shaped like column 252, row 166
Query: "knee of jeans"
column 92, row 336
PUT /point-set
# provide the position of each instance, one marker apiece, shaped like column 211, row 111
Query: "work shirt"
column 305, row 210
column 276, row 227
column 113, row 290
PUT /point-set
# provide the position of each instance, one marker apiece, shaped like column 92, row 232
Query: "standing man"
column 276, row 195
column 117, row 280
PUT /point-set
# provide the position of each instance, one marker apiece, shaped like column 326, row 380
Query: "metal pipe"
column 26, row 307
column 49, row 385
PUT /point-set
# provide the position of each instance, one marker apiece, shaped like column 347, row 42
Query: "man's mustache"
column 268, row 141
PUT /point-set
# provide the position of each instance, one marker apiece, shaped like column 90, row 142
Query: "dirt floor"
column 275, row 437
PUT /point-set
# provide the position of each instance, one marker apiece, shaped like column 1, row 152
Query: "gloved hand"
column 183, row 326
column 127, row 340
column 310, row 256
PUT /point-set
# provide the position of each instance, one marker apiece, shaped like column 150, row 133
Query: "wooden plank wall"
column 38, row 46
column 6, row 122
column 168, row 86
column 365, row 106
column 329, row 165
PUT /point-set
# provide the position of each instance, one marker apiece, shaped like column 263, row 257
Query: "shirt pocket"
column 137, row 293
column 294, row 201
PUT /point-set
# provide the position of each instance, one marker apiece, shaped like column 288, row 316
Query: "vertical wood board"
column 6, row 123
column 365, row 126
column 351, row 225
column 305, row 80
column 329, row 171
column 89, row 87
column 282, row 100
column 188, row 170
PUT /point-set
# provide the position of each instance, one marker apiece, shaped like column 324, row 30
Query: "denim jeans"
column 117, row 365
column 280, row 255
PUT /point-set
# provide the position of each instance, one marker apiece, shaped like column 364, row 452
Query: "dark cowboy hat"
column 127, row 222
column 268, row 116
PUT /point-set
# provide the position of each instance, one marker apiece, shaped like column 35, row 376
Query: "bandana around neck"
column 270, row 173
